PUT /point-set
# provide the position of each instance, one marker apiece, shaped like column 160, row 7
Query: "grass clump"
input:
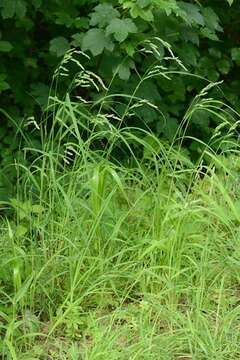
column 122, row 260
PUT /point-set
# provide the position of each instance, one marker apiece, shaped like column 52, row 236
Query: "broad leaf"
column 103, row 14
column 189, row 54
column 59, row 46
column 96, row 41
column 5, row 46
column 77, row 39
column 124, row 69
column 168, row 6
column 145, row 14
column 120, row 28
column 201, row 119
column 10, row 8
column 208, row 33
column 189, row 35
column 193, row 14
column 211, row 19
column 64, row 19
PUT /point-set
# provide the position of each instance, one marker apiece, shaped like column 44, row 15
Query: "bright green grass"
column 122, row 263
column 110, row 261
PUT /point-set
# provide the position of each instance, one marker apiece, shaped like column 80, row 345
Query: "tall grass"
column 122, row 260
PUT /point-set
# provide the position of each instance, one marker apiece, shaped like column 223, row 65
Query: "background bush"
column 36, row 34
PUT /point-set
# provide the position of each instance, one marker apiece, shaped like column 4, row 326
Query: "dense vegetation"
column 119, row 180
column 35, row 34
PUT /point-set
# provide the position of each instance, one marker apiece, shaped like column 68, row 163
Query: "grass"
column 104, row 259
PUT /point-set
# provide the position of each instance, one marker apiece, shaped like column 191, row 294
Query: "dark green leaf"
column 170, row 129
column 64, row 19
column 224, row 66
column 189, row 54
column 235, row 54
column 40, row 92
column 215, row 53
column 5, row 46
column 3, row 84
column 201, row 119
column 37, row 3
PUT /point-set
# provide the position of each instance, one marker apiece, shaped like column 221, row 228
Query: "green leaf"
column 124, row 72
column 64, row 19
column 10, row 8
column 215, row 53
column 40, row 93
column 3, row 84
column 170, row 129
column 5, row 46
column 136, row 11
column 77, row 39
column 37, row 3
column 224, row 66
column 153, row 146
column 193, row 14
column 149, row 91
column 23, row 290
column 211, row 19
column 130, row 48
column 37, row 209
column 21, row 230
column 169, row 6
column 124, row 69
column 189, row 54
column 59, row 46
column 120, row 28
column 31, row 62
column 81, row 23
column 96, row 41
column 103, row 14
column 230, row 2
column 144, row 3
column 189, row 35
column 209, row 34
column 235, row 54
column 201, row 119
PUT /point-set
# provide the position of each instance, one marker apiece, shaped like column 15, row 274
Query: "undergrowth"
column 109, row 259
